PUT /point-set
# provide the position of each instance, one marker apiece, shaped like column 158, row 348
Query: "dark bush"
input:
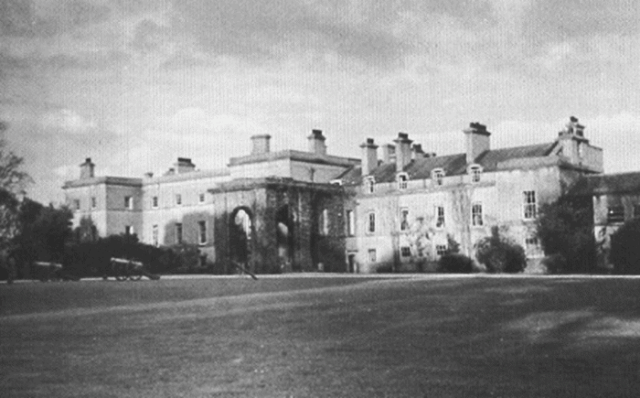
column 625, row 248
column 500, row 254
column 455, row 263
column 555, row 263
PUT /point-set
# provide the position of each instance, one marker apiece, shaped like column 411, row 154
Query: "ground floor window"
column 615, row 214
column 405, row 251
column 441, row 250
column 372, row 255
column 202, row 231
column 178, row 233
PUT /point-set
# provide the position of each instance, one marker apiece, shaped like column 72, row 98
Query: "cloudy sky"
column 134, row 84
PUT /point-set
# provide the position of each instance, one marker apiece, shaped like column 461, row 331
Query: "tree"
column 500, row 254
column 625, row 250
column 13, row 182
column 565, row 231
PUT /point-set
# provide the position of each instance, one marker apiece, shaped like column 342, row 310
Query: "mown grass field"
column 322, row 337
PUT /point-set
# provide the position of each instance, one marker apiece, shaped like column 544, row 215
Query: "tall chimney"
column 418, row 153
column 184, row 165
column 388, row 153
column 260, row 144
column 369, row 156
column 316, row 143
column 87, row 169
column 403, row 151
column 478, row 141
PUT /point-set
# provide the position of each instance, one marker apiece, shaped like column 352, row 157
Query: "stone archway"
column 285, row 239
column 241, row 235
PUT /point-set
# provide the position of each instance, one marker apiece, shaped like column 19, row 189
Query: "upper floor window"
column 154, row 202
column 439, row 216
column 530, row 209
column 402, row 179
column 351, row 223
column 615, row 214
column 476, row 215
column 201, row 198
column 94, row 202
column 128, row 202
column 404, row 219
column 437, row 175
column 475, row 171
column 202, row 232
column 369, row 184
column 178, row 199
column 371, row 223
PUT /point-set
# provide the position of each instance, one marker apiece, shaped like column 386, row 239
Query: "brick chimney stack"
column 403, row 151
column 184, row 165
column 477, row 141
column 260, row 144
column 316, row 143
column 418, row 153
column 87, row 169
column 369, row 156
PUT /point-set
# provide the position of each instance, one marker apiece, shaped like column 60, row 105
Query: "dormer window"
column 475, row 171
column 437, row 175
column 369, row 184
column 402, row 179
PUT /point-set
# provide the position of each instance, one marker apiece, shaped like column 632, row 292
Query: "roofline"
column 293, row 155
column 107, row 180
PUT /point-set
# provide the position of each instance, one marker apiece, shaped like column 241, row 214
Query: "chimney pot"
column 403, row 151
column 369, row 156
column 260, row 144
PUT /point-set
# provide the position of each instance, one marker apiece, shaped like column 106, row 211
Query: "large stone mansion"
column 394, row 208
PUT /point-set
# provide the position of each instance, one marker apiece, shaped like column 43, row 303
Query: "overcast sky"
column 134, row 84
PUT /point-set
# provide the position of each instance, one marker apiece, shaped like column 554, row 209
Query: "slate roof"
column 607, row 184
column 456, row 164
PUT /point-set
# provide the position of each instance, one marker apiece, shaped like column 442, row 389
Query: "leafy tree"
column 565, row 231
column 500, row 254
column 625, row 250
column 13, row 182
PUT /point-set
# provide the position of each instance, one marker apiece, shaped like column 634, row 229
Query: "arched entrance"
column 240, row 235
column 285, row 239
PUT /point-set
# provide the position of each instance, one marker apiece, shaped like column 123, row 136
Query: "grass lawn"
column 322, row 337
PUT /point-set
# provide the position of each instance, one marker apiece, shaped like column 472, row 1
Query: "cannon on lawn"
column 50, row 271
column 124, row 269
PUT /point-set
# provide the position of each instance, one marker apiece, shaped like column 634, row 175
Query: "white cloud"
column 69, row 121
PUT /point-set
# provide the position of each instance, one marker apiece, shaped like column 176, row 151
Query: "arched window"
column 369, row 184
column 475, row 171
column 402, row 179
column 437, row 175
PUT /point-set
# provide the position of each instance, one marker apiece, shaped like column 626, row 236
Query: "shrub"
column 555, row 263
column 625, row 248
column 500, row 254
column 455, row 263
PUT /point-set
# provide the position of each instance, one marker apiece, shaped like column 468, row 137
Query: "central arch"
column 241, row 235
column 285, row 239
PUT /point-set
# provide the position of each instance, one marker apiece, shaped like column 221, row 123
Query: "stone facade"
column 293, row 211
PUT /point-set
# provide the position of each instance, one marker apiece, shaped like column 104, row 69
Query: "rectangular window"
column 404, row 219
column 202, row 231
column 438, row 177
column 128, row 202
column 178, row 233
column 155, row 235
column 371, row 228
column 369, row 185
column 405, row 251
column 178, row 199
column 201, row 198
column 94, row 202
column 154, row 202
column 615, row 214
column 94, row 233
column 402, row 181
column 76, row 204
column 532, row 246
column 128, row 230
column 372, row 256
column 530, row 209
column 476, row 215
column 441, row 250
column 351, row 223
column 439, row 216
column 475, row 174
